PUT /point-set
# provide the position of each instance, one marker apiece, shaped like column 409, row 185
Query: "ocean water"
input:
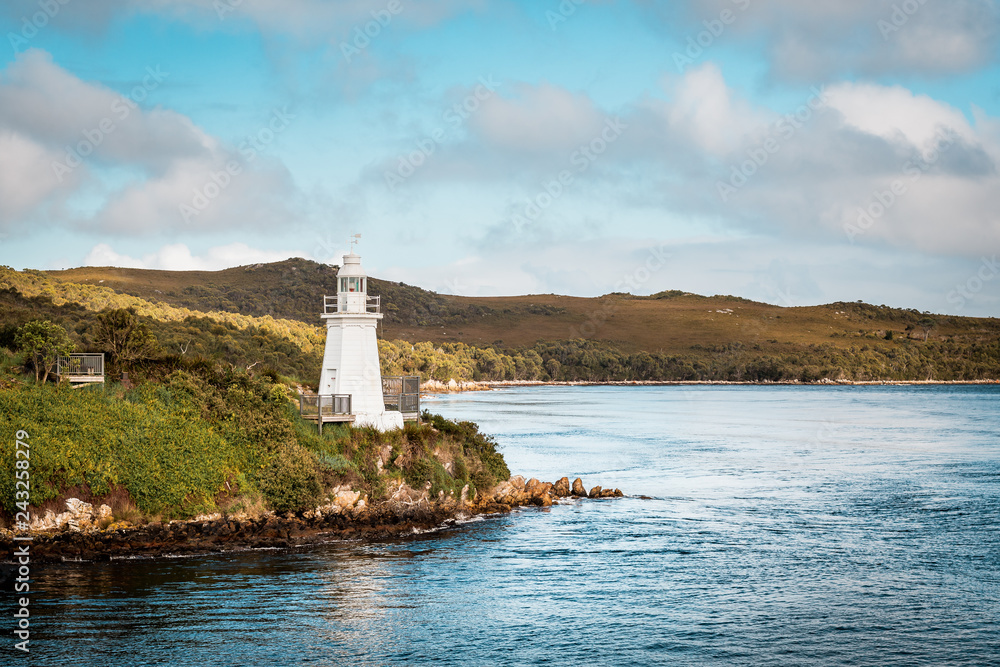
column 778, row 526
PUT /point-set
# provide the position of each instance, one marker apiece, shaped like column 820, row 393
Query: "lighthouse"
column 350, row 360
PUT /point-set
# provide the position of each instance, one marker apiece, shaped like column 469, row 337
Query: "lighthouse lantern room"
column 350, row 360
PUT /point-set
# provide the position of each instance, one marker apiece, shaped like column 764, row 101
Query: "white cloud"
column 895, row 113
column 703, row 108
column 178, row 257
column 814, row 40
column 65, row 136
column 26, row 181
column 537, row 119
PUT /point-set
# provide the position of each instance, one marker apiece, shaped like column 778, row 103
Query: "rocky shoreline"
column 88, row 534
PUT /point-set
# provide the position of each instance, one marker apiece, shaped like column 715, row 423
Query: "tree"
column 124, row 337
column 926, row 324
column 45, row 342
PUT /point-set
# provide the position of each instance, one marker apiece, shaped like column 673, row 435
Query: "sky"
column 785, row 151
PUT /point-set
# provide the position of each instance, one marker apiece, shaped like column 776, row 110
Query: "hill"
column 670, row 322
column 270, row 313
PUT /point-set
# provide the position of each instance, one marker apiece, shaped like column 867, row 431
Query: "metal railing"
column 327, row 406
column 331, row 305
column 80, row 366
column 402, row 394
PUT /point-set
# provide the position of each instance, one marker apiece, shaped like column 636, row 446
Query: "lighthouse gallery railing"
column 331, row 305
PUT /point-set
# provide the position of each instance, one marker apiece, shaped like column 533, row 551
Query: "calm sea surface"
column 783, row 526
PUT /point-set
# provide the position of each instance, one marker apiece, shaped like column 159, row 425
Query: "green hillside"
column 268, row 315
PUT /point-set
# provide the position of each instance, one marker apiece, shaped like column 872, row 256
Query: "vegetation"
column 200, row 436
column 43, row 342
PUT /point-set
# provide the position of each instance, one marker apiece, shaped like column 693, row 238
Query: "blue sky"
column 795, row 153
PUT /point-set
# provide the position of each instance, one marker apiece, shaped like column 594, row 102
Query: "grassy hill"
column 670, row 322
column 269, row 313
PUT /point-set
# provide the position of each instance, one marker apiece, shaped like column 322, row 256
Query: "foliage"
column 124, row 337
column 44, row 342
column 291, row 481
column 201, row 433
column 670, row 336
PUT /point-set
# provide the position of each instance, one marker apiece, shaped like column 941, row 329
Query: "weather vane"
column 354, row 240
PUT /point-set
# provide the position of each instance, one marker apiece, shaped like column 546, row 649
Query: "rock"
column 578, row 489
column 81, row 514
column 103, row 513
column 346, row 498
column 531, row 485
column 608, row 493
column 543, row 500
column 517, row 482
column 561, row 488
column 595, row 492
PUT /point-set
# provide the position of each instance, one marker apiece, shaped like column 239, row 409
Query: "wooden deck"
column 326, row 409
column 80, row 369
column 402, row 394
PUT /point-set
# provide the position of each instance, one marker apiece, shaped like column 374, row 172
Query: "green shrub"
column 291, row 481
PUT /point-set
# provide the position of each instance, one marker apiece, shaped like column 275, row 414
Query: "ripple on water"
column 785, row 526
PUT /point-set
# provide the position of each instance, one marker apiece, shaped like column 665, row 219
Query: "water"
column 784, row 526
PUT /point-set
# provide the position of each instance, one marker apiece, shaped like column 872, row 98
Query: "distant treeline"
column 294, row 349
column 583, row 360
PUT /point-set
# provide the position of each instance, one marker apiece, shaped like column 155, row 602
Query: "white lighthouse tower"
column 350, row 361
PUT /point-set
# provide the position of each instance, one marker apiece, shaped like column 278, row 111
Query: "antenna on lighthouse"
column 354, row 241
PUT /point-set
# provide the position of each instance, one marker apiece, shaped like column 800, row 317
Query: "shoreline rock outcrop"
column 83, row 533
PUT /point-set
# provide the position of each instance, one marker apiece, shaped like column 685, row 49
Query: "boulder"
column 517, row 482
column 561, row 488
column 346, row 498
column 578, row 489
column 595, row 492
column 532, row 485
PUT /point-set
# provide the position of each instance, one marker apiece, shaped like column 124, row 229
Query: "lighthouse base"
column 385, row 421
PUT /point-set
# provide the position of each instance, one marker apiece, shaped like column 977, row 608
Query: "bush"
column 291, row 482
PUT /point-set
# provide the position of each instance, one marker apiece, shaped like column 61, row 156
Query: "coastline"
column 442, row 388
column 394, row 518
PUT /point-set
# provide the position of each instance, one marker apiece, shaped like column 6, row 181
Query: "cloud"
column 813, row 41
column 537, row 119
column 833, row 156
column 313, row 20
column 68, row 139
column 178, row 257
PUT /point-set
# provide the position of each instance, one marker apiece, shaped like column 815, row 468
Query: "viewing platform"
column 325, row 409
column 399, row 394
column 402, row 394
column 80, row 369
